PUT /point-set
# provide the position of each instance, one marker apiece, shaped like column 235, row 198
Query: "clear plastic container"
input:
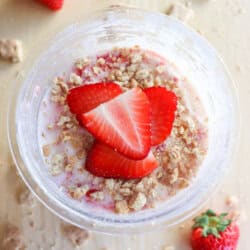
column 120, row 27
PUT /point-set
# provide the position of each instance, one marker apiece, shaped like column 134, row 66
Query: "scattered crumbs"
column 232, row 201
column 168, row 248
column 25, row 197
column 78, row 192
column 96, row 70
column 63, row 120
column 13, row 238
column 11, row 50
column 101, row 61
column 46, row 150
column 75, row 79
column 75, row 235
column 58, row 162
column 181, row 12
column 99, row 195
column 81, row 62
column 138, row 201
column 109, row 183
column 141, row 74
column 43, row 135
column 121, row 207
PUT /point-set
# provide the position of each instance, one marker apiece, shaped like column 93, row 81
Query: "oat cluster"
column 179, row 156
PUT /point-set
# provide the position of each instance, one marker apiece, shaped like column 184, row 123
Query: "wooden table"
column 224, row 23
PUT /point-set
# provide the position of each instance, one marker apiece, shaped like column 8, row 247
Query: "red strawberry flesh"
column 105, row 162
column 53, row 4
column 123, row 123
column 163, row 105
column 84, row 98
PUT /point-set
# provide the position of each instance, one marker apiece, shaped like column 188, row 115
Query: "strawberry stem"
column 211, row 223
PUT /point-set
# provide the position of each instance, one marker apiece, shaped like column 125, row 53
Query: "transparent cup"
column 125, row 27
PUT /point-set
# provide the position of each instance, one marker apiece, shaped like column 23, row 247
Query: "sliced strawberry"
column 53, row 4
column 123, row 123
column 84, row 98
column 163, row 106
column 105, row 162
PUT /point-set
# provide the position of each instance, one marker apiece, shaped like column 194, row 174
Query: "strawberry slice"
column 105, row 162
column 122, row 123
column 53, row 4
column 163, row 106
column 84, row 98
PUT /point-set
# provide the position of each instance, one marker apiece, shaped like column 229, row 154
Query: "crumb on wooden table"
column 181, row 12
column 232, row 201
column 13, row 238
column 11, row 49
column 75, row 235
column 25, row 197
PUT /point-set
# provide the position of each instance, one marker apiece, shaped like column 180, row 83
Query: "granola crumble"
column 138, row 201
column 179, row 156
column 11, row 50
column 121, row 207
column 57, row 164
column 46, row 150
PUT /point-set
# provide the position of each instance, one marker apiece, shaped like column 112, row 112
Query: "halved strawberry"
column 53, row 4
column 105, row 162
column 123, row 123
column 84, row 98
column 163, row 106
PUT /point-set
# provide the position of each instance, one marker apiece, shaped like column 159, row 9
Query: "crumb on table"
column 232, row 201
column 25, row 197
column 75, row 235
column 11, row 49
column 13, row 238
column 181, row 12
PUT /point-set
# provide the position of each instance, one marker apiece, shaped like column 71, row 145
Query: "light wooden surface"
column 225, row 23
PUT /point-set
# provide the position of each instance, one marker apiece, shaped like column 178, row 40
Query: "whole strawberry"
column 214, row 232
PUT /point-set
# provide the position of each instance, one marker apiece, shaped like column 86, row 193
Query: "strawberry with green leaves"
column 214, row 232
